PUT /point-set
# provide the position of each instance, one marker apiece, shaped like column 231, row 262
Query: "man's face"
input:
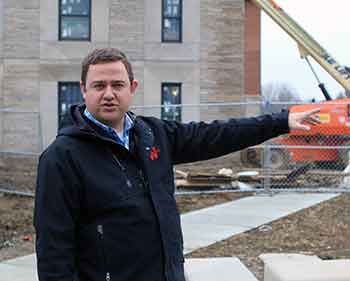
column 108, row 93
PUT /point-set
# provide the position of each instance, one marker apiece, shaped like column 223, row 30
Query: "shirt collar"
column 121, row 138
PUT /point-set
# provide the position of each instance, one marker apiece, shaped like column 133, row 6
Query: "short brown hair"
column 105, row 55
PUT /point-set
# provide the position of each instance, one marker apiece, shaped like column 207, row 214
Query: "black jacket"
column 105, row 213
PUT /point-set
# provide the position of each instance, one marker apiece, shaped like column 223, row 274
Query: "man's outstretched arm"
column 198, row 141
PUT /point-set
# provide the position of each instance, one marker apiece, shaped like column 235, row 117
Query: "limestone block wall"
column 20, row 74
column 1, row 68
column 19, row 91
column 127, row 27
column 222, row 56
column 21, row 29
column 1, row 39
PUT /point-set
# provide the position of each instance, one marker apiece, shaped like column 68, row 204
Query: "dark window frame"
column 60, row 38
column 171, row 84
column 59, row 98
column 180, row 18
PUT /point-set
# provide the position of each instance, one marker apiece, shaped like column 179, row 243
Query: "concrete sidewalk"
column 19, row 269
column 205, row 227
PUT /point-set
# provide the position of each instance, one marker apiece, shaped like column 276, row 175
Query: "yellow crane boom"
column 308, row 46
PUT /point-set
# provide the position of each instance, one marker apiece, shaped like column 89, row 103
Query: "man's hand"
column 297, row 120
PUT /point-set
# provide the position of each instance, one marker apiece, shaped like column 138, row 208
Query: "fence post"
column 266, row 165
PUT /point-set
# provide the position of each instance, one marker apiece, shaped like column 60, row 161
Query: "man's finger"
column 310, row 117
column 313, row 111
column 313, row 120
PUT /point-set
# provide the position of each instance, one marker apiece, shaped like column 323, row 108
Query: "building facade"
column 183, row 52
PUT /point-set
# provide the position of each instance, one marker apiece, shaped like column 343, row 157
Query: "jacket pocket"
column 102, row 246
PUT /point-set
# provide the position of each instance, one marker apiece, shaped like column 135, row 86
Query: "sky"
column 328, row 23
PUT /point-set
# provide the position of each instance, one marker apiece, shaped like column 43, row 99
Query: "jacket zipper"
column 120, row 165
column 100, row 234
column 143, row 179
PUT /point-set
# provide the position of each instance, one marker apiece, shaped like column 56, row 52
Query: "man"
column 105, row 206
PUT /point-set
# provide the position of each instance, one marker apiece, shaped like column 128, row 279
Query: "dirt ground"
column 322, row 230
column 16, row 230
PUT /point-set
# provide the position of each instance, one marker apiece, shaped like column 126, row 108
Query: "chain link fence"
column 20, row 146
column 315, row 160
column 303, row 161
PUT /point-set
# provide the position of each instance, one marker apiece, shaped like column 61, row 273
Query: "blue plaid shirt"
column 123, row 138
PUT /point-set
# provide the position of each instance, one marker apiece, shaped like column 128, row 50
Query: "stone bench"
column 296, row 267
column 209, row 269
column 217, row 269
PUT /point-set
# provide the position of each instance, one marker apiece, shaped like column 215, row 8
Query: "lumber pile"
column 298, row 177
column 197, row 179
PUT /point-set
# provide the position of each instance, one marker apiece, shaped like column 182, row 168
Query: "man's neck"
column 119, row 127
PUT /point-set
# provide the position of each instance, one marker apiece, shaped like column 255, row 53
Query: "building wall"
column 186, row 73
column 126, row 25
column 222, row 56
column 215, row 62
column 20, row 74
column 19, row 91
column 1, row 35
column 1, row 71
column 172, row 62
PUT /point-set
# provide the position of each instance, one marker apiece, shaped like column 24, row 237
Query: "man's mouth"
column 109, row 106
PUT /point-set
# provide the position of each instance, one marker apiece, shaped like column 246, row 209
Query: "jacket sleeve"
column 55, row 217
column 198, row 141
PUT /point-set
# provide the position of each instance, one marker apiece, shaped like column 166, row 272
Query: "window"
column 172, row 21
column 171, row 95
column 75, row 20
column 68, row 94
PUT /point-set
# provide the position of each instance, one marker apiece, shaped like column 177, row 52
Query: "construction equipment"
column 319, row 144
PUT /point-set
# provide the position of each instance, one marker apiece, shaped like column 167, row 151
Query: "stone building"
column 183, row 51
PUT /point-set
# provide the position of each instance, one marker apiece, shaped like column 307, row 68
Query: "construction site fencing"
column 20, row 146
column 315, row 160
column 301, row 161
column 309, row 161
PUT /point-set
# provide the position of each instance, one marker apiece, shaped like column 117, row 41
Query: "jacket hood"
column 75, row 125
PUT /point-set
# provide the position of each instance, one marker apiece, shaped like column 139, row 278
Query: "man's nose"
column 109, row 92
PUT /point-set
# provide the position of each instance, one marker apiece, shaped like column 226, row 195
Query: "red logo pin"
column 154, row 154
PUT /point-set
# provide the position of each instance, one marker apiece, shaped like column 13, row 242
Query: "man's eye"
column 98, row 87
column 118, row 86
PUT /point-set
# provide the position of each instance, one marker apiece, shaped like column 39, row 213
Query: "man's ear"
column 83, row 89
column 133, row 86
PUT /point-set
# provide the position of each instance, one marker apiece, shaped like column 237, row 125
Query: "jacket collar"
column 78, row 126
column 143, row 132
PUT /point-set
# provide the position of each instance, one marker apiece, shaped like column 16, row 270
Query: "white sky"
column 328, row 22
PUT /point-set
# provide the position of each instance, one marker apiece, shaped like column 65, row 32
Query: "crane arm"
column 308, row 46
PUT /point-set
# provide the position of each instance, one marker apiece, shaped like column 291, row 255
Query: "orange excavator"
column 320, row 144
